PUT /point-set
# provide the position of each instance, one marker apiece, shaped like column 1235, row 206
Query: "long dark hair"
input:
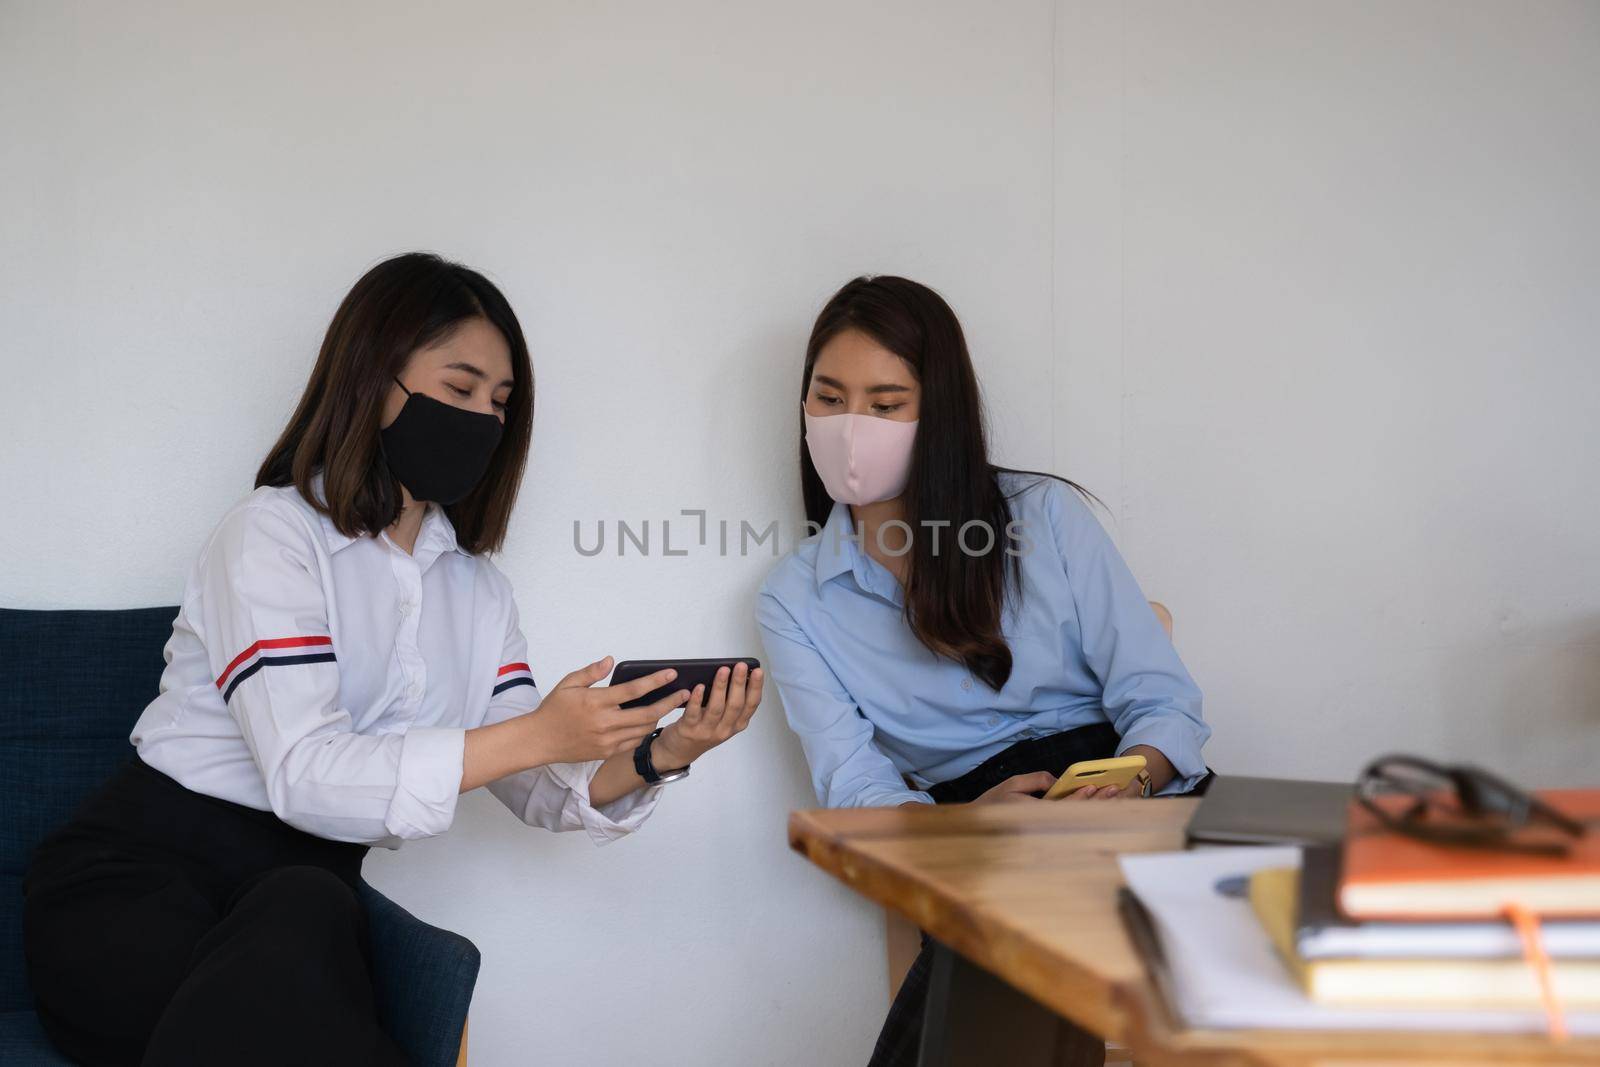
column 953, row 601
column 399, row 306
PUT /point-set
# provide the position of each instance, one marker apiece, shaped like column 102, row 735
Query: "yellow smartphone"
column 1117, row 771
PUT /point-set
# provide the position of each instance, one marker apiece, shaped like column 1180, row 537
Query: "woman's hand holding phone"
column 707, row 723
column 1029, row 786
column 576, row 722
column 1158, row 767
column 1017, row 787
column 1105, row 792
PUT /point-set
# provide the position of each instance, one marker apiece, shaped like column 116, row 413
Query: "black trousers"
column 900, row 1041
column 162, row 926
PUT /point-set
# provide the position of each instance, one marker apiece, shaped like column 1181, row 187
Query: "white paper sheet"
column 1226, row 974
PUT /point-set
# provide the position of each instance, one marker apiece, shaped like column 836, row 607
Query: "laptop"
column 1238, row 810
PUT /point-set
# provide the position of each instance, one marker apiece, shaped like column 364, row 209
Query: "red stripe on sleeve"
column 508, row 668
column 274, row 642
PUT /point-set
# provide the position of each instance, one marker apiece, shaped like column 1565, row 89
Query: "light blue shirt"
column 871, row 704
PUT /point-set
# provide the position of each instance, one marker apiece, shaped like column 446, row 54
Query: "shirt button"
column 966, row 683
column 414, row 691
column 405, row 607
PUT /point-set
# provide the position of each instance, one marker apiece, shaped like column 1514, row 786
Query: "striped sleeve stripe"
column 511, row 675
column 274, row 652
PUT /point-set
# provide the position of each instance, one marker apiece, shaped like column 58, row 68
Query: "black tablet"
column 691, row 672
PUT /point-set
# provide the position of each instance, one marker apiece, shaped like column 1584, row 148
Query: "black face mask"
column 437, row 450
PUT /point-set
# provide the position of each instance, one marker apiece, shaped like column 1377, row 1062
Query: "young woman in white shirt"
column 345, row 663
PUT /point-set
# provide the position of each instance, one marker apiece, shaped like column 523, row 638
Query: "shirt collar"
column 438, row 533
column 331, row 534
column 835, row 549
column 838, row 553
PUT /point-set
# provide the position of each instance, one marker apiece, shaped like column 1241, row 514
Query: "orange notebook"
column 1391, row 876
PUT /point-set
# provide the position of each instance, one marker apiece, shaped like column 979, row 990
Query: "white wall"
column 1328, row 334
column 1303, row 290
column 667, row 193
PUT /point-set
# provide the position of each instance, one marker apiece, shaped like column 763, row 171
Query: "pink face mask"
column 861, row 459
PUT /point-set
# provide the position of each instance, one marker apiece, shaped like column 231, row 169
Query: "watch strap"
column 646, row 768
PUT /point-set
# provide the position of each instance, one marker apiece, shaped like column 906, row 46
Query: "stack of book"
column 1388, row 920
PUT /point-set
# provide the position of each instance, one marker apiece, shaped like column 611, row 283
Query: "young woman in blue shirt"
column 957, row 632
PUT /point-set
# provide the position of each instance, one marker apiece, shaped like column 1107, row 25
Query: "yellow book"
column 1414, row 983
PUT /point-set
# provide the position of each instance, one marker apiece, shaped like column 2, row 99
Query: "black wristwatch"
column 647, row 770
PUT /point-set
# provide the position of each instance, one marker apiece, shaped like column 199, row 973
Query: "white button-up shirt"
column 331, row 680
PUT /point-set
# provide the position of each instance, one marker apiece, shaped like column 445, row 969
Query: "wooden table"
column 1027, row 892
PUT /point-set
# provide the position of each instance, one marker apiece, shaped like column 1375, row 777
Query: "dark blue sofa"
column 73, row 684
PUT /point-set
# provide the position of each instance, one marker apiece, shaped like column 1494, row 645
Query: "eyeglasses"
column 1464, row 806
